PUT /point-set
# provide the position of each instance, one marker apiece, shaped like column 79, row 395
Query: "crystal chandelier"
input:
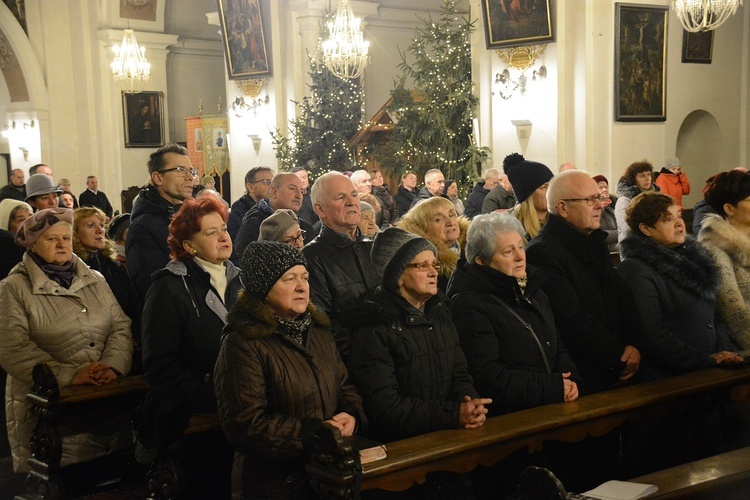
column 130, row 67
column 704, row 15
column 345, row 51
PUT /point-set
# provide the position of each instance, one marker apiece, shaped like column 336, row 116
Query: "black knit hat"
column 525, row 176
column 264, row 262
column 393, row 250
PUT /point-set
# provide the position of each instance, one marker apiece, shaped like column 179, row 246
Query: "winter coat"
column 116, row 276
column 99, row 200
column 730, row 250
column 146, row 248
column 182, row 324
column 307, row 212
column 250, row 229
column 674, row 185
column 239, row 209
column 609, row 226
column 446, row 255
column 625, row 193
column 404, row 198
column 66, row 328
column 593, row 308
column 700, row 211
column 474, row 201
column 498, row 199
column 423, row 194
column 505, row 358
column 675, row 293
column 272, row 394
column 389, row 209
column 10, row 253
column 409, row 367
column 12, row 192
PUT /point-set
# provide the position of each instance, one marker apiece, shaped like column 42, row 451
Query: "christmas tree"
column 434, row 128
column 327, row 120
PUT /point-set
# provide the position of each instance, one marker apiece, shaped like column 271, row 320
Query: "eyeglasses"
column 424, row 266
column 262, row 181
column 294, row 239
column 589, row 201
column 181, row 171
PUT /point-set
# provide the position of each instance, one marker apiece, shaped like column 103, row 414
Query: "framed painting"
column 697, row 47
column 511, row 23
column 143, row 113
column 244, row 38
column 640, row 63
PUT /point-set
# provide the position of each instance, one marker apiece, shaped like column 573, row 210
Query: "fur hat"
column 672, row 162
column 39, row 184
column 38, row 223
column 264, row 262
column 275, row 226
column 525, row 176
column 393, row 250
column 6, row 207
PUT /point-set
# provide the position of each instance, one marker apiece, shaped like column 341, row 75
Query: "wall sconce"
column 250, row 101
column 523, row 129
column 256, row 141
column 25, row 153
column 10, row 128
column 518, row 59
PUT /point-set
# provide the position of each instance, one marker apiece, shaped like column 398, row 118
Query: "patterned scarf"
column 297, row 328
column 62, row 275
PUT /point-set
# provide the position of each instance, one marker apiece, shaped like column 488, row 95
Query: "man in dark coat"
column 594, row 310
column 476, row 198
column 170, row 185
column 501, row 197
column 15, row 189
column 92, row 197
column 406, row 192
column 306, row 212
column 257, row 185
column 434, row 182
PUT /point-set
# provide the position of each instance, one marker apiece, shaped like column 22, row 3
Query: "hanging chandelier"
column 130, row 67
column 704, row 15
column 345, row 51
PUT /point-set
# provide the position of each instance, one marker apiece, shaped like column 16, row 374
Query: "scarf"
column 62, row 275
column 296, row 329
column 217, row 273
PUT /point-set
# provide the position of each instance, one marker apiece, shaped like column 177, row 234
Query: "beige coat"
column 43, row 322
column 731, row 251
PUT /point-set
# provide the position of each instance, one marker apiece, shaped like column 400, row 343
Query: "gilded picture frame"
column 512, row 23
column 144, row 118
column 243, row 37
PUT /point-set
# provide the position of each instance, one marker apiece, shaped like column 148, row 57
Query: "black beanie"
column 264, row 262
column 393, row 250
column 525, row 176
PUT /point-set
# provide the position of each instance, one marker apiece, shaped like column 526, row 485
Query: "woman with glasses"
column 283, row 226
column 638, row 178
column 406, row 359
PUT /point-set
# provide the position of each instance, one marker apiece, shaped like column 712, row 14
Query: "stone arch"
column 699, row 146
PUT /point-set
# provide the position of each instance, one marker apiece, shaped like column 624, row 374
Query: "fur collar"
column 445, row 255
column 252, row 318
column 630, row 191
column 690, row 266
column 721, row 234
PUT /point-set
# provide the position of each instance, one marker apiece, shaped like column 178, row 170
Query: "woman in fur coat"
column 727, row 237
column 674, row 283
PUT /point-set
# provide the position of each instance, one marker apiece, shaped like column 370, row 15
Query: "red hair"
column 187, row 222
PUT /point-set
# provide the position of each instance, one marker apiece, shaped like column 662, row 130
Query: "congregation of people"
column 384, row 314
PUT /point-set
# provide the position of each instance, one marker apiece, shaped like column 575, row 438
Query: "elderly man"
column 15, row 189
column 479, row 193
column 306, row 212
column 593, row 309
column 92, row 197
column 338, row 259
column 257, row 185
column 170, row 184
column 434, row 182
column 285, row 192
column 501, row 197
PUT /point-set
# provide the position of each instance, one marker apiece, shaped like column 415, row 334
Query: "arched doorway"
column 699, row 148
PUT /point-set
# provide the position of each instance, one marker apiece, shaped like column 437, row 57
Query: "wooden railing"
column 336, row 472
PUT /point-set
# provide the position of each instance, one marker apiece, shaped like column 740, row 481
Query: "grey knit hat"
column 365, row 207
column 264, row 262
column 393, row 250
column 525, row 176
column 672, row 162
column 275, row 226
column 39, row 184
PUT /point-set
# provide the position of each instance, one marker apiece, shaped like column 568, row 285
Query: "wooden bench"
column 337, row 473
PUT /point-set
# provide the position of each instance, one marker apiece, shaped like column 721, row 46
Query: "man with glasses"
column 593, row 309
column 257, row 185
column 285, row 192
column 170, row 184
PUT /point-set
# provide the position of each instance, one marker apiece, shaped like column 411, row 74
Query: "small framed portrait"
column 511, row 23
column 243, row 35
column 697, row 47
column 143, row 113
column 220, row 138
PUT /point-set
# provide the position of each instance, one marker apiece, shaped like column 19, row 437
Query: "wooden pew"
column 336, row 472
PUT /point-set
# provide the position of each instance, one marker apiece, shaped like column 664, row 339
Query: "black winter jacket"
column 505, row 358
column 409, row 367
column 250, row 229
column 675, row 292
column 423, row 194
column 474, row 202
column 403, row 198
column 498, row 199
column 182, row 324
column 239, row 209
column 389, row 210
column 594, row 309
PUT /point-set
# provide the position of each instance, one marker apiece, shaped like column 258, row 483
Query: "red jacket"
column 674, row 185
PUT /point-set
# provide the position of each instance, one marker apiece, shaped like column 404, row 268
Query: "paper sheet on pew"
column 621, row 490
column 369, row 449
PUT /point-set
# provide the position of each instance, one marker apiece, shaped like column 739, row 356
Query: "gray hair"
column 491, row 173
column 359, row 175
column 317, row 189
column 480, row 240
column 432, row 173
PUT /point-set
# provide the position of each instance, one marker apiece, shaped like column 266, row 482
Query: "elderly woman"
column 93, row 248
column 608, row 221
column 50, row 297
column 283, row 226
column 406, row 359
column 505, row 322
column 435, row 219
column 278, row 376
column 727, row 237
column 674, row 282
column 367, row 223
column 638, row 178
column 530, row 181
column 12, row 215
